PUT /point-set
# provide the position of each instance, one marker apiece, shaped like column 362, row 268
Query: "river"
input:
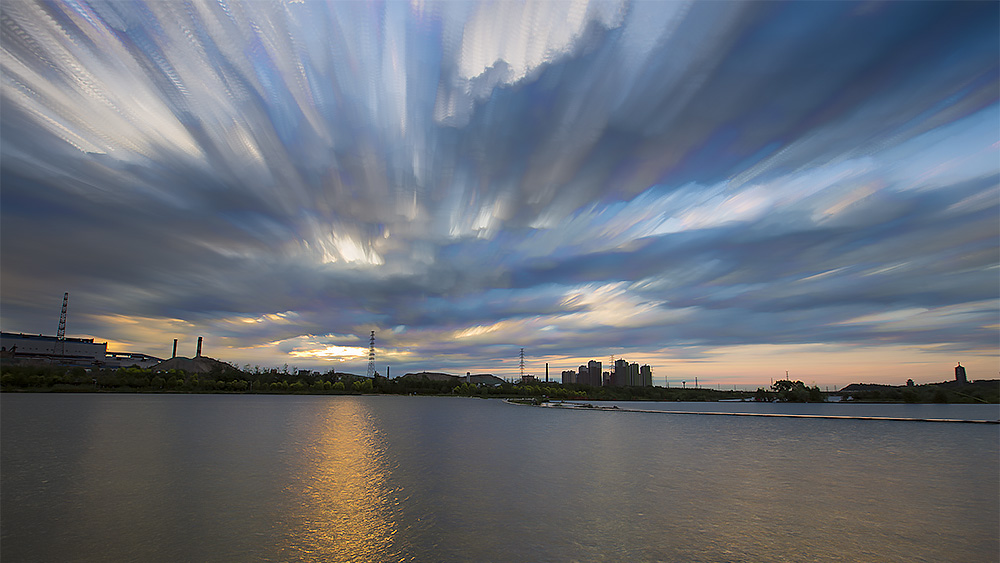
column 166, row 478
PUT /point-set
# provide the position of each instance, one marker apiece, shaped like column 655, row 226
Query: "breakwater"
column 616, row 408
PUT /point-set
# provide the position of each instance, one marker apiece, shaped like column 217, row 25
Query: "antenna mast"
column 61, row 333
column 522, row 364
column 371, row 356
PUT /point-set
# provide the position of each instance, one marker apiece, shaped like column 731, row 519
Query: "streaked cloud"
column 679, row 182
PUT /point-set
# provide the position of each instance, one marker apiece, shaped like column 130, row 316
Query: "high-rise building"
column 620, row 374
column 568, row 376
column 633, row 375
column 646, row 375
column 594, row 373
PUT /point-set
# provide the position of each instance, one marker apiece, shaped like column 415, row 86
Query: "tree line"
column 256, row 380
column 228, row 379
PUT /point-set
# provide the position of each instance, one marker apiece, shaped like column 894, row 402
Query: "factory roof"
column 44, row 337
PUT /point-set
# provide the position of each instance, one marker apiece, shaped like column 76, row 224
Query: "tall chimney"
column 198, row 353
column 174, row 355
column 546, row 372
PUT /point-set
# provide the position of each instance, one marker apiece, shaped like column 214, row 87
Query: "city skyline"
column 729, row 191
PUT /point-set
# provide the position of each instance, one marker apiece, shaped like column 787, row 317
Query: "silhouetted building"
column 620, row 374
column 594, row 373
column 633, row 376
column 38, row 348
column 646, row 376
column 960, row 374
column 568, row 376
column 79, row 351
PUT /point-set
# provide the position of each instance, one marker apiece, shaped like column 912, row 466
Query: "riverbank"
column 829, row 416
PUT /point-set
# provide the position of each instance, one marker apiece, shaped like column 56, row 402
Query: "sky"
column 725, row 191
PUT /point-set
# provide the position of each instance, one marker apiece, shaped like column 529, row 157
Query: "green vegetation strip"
column 225, row 378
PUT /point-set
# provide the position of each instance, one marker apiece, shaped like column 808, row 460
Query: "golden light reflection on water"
column 344, row 507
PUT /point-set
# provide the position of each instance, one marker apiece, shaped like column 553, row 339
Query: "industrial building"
column 17, row 347
column 40, row 348
column 128, row 359
column 51, row 348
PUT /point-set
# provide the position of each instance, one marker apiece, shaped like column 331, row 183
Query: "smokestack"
column 174, row 355
column 546, row 372
column 198, row 353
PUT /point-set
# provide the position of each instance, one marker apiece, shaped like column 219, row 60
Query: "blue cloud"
column 760, row 172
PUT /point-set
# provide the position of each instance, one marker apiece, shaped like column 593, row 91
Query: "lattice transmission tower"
column 371, row 356
column 522, row 364
column 61, row 333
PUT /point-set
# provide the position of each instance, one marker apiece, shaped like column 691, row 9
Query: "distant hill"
column 486, row 379
column 199, row 364
column 979, row 391
column 478, row 379
column 984, row 383
column 431, row 376
column 865, row 387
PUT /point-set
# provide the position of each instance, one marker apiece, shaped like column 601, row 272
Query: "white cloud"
column 527, row 34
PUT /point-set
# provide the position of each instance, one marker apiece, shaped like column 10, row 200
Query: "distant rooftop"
column 44, row 337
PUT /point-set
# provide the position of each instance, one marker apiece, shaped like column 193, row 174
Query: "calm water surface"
column 371, row 479
column 898, row 410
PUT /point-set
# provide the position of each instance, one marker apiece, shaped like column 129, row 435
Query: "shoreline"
column 615, row 408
